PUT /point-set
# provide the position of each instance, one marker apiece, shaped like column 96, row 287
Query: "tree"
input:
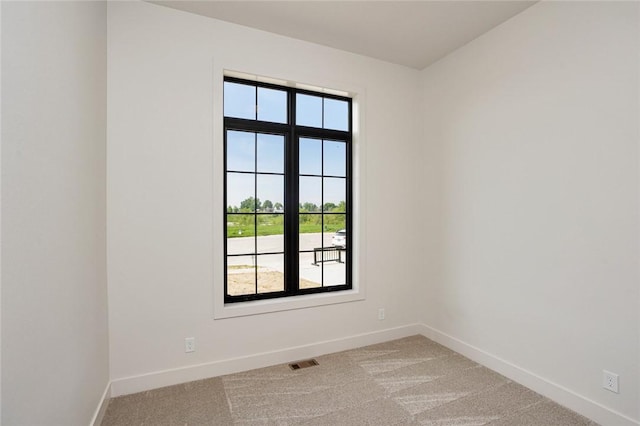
column 309, row 207
column 328, row 207
column 250, row 204
column 267, row 205
column 278, row 206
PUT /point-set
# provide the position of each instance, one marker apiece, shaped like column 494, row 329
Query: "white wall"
column 527, row 176
column 164, row 80
column 531, row 138
column 54, row 298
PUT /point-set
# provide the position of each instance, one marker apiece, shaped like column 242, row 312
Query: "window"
column 287, row 191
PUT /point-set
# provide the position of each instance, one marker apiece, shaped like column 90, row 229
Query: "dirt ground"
column 242, row 281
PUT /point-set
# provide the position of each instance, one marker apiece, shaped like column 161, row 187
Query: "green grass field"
column 275, row 227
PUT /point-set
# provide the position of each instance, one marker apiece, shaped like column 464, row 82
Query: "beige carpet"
column 411, row 381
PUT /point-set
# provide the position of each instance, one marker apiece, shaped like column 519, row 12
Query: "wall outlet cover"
column 610, row 381
column 190, row 344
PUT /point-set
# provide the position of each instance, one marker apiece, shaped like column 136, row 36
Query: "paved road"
column 334, row 272
column 275, row 243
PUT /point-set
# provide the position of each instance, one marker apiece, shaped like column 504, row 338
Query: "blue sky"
column 243, row 146
column 240, row 101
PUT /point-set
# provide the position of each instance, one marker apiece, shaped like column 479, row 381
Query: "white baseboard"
column 557, row 393
column 128, row 385
column 102, row 407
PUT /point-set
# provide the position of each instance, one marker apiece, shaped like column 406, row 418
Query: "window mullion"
column 291, row 201
column 322, row 199
column 255, row 210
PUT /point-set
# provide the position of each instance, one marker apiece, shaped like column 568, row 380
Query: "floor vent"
column 303, row 364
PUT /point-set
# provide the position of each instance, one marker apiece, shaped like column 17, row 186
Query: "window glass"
column 270, row 273
column 310, row 194
column 308, row 110
column 241, row 151
column 335, row 273
column 270, row 153
column 310, row 153
column 239, row 227
column 334, row 229
column 241, row 191
column 270, row 233
column 241, row 275
column 310, row 271
column 272, row 105
column 310, row 231
column 336, row 114
column 270, row 191
column 335, row 158
column 334, row 191
column 310, row 225
column 239, row 100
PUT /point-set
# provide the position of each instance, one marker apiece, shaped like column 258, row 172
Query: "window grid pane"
column 239, row 100
column 270, row 273
column 336, row 114
column 270, row 153
column 272, row 105
column 241, row 275
column 308, row 110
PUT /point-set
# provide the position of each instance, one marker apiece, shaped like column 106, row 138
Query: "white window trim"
column 357, row 293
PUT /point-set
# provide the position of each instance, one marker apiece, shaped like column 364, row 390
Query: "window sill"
column 232, row 310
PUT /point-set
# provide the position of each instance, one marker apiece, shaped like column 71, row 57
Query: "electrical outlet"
column 381, row 314
column 610, row 381
column 190, row 344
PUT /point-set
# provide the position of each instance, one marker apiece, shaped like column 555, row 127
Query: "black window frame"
column 292, row 134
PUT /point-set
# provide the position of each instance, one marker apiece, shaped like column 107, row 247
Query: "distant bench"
column 327, row 254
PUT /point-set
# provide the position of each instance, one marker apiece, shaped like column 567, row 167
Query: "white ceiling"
column 411, row 33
